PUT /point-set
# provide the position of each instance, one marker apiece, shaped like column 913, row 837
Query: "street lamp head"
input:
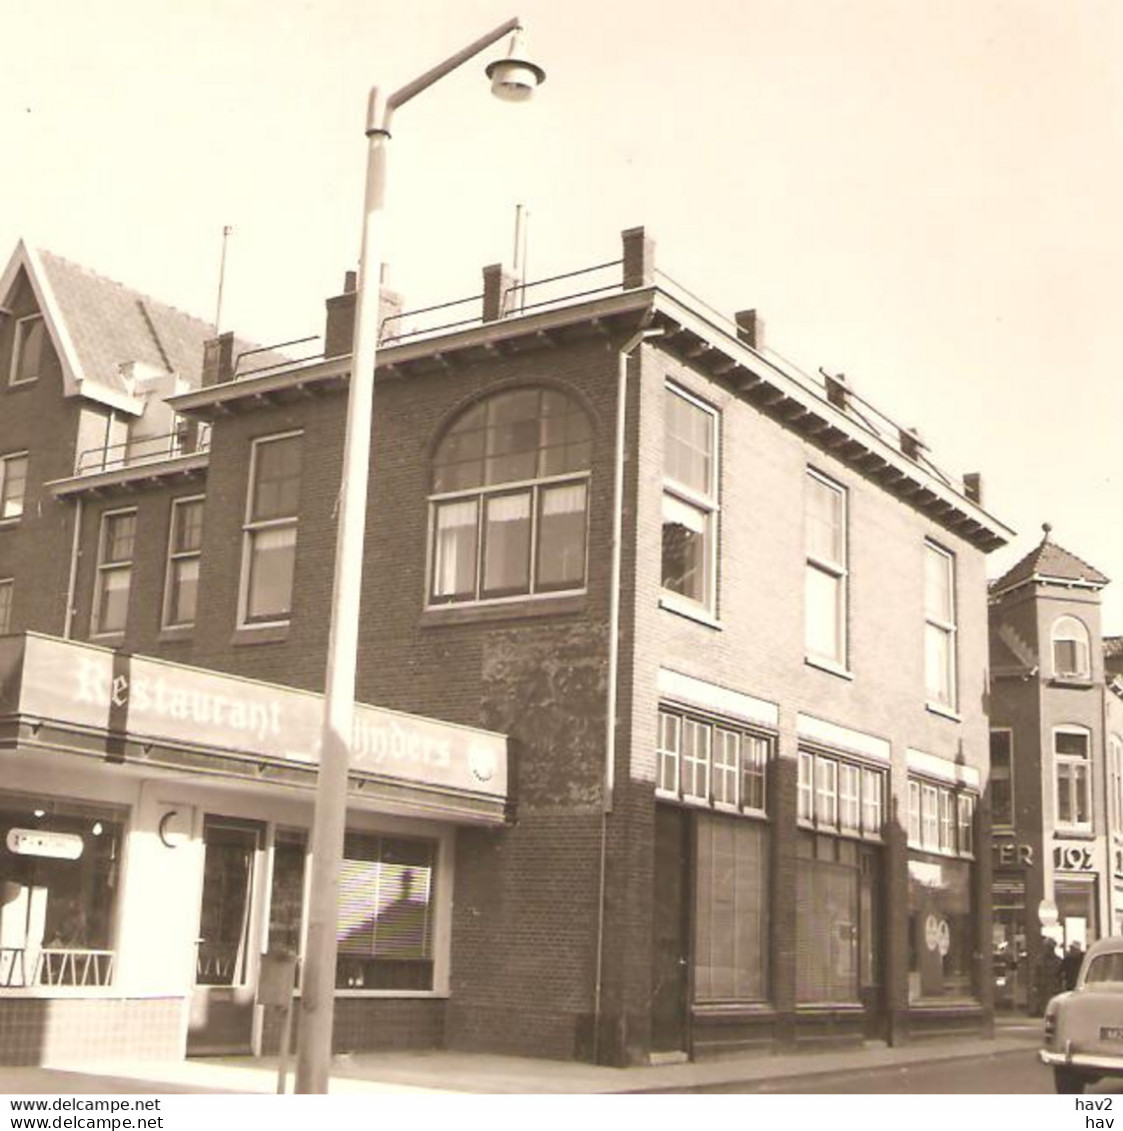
column 514, row 79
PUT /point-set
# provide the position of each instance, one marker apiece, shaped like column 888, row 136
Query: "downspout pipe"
column 623, row 356
column 72, row 582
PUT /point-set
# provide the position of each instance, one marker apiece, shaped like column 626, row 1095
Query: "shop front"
column 154, row 830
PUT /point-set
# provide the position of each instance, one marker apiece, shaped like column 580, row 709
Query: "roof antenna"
column 226, row 230
column 522, row 218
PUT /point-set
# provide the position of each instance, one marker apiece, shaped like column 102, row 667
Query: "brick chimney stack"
column 339, row 327
column 218, row 359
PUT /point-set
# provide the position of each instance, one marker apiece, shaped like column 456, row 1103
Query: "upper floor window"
column 509, row 507
column 1072, row 767
column 1002, row 778
column 1115, row 770
column 939, row 626
column 711, row 763
column 1071, row 651
column 689, row 498
column 941, row 818
column 13, row 484
column 114, row 572
column 28, row 349
column 269, row 545
column 825, row 573
column 185, row 543
column 7, row 588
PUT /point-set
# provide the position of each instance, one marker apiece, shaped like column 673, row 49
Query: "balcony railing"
column 187, row 440
column 55, row 966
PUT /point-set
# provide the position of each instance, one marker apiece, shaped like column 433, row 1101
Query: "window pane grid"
column 941, row 819
column 7, row 588
column 272, row 508
column 13, row 485
column 940, row 626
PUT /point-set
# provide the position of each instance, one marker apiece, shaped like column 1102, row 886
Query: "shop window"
column 731, row 910
column 1002, row 778
column 7, row 589
column 941, row 928
column 837, row 945
column 708, row 762
column 510, row 499
column 269, row 553
column 387, row 897
column 386, row 908
column 29, row 353
column 185, row 543
column 825, row 572
column 939, row 627
column 1073, row 778
column 59, row 872
column 837, row 795
column 114, row 572
column 13, row 485
column 1071, row 651
column 689, row 500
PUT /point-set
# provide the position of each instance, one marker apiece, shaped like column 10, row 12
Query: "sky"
column 925, row 196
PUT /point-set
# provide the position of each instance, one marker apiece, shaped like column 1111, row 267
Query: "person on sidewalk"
column 1070, row 965
column 1048, row 981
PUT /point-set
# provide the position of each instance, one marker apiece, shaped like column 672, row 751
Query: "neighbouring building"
column 673, row 662
column 1056, row 721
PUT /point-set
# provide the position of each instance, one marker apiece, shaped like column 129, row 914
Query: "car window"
column 1106, row 968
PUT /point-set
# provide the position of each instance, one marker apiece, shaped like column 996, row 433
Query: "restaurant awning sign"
column 79, row 685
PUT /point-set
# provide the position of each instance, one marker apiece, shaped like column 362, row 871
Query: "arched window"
column 1071, row 652
column 509, row 502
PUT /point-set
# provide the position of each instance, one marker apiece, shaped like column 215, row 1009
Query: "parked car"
column 1084, row 1026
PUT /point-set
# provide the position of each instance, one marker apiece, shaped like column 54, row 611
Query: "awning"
column 78, row 698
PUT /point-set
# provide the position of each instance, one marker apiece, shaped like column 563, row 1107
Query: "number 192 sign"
column 1072, row 858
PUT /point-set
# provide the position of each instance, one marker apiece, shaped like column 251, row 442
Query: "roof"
column 100, row 328
column 1049, row 562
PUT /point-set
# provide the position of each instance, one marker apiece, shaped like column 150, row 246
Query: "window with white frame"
column 29, row 349
column 1115, row 768
column 689, row 498
column 114, row 572
column 1071, row 650
column 1002, row 778
column 509, row 505
column 7, row 589
column 13, row 484
column 825, row 574
column 185, row 543
column 711, row 762
column 941, row 818
column 939, row 626
column 1071, row 761
column 836, row 795
column 269, row 539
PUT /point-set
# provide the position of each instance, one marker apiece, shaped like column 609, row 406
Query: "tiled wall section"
column 50, row 1030
column 367, row 1024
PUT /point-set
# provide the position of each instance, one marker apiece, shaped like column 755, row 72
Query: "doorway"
column 670, row 972
column 222, row 1004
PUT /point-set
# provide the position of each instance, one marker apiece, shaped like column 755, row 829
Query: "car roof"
column 1111, row 945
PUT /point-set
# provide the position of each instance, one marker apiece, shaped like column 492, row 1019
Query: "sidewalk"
column 455, row 1072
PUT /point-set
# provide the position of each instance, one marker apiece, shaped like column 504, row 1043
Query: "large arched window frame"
column 508, row 509
column 1072, row 653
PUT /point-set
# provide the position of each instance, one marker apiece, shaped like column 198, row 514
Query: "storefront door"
column 670, row 950
column 222, row 1005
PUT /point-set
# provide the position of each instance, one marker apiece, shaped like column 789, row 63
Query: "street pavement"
column 1006, row 1063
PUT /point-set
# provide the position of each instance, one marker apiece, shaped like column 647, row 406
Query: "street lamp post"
column 513, row 79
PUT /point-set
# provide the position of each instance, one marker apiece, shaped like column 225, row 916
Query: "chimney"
column 911, row 443
column 497, row 287
column 218, row 359
column 749, row 327
column 838, row 389
column 973, row 487
column 339, row 328
column 639, row 258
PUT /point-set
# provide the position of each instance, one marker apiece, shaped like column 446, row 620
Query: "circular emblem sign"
column 931, row 932
column 481, row 761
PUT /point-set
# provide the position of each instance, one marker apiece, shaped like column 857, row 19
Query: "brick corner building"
column 673, row 664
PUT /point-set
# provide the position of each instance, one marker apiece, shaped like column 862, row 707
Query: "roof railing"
column 186, row 440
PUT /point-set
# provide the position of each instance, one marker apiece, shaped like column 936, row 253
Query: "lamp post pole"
column 513, row 79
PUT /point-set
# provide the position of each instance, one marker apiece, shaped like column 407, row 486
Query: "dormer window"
column 28, row 352
column 1071, row 651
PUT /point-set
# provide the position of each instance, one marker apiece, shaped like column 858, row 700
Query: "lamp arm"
column 379, row 111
